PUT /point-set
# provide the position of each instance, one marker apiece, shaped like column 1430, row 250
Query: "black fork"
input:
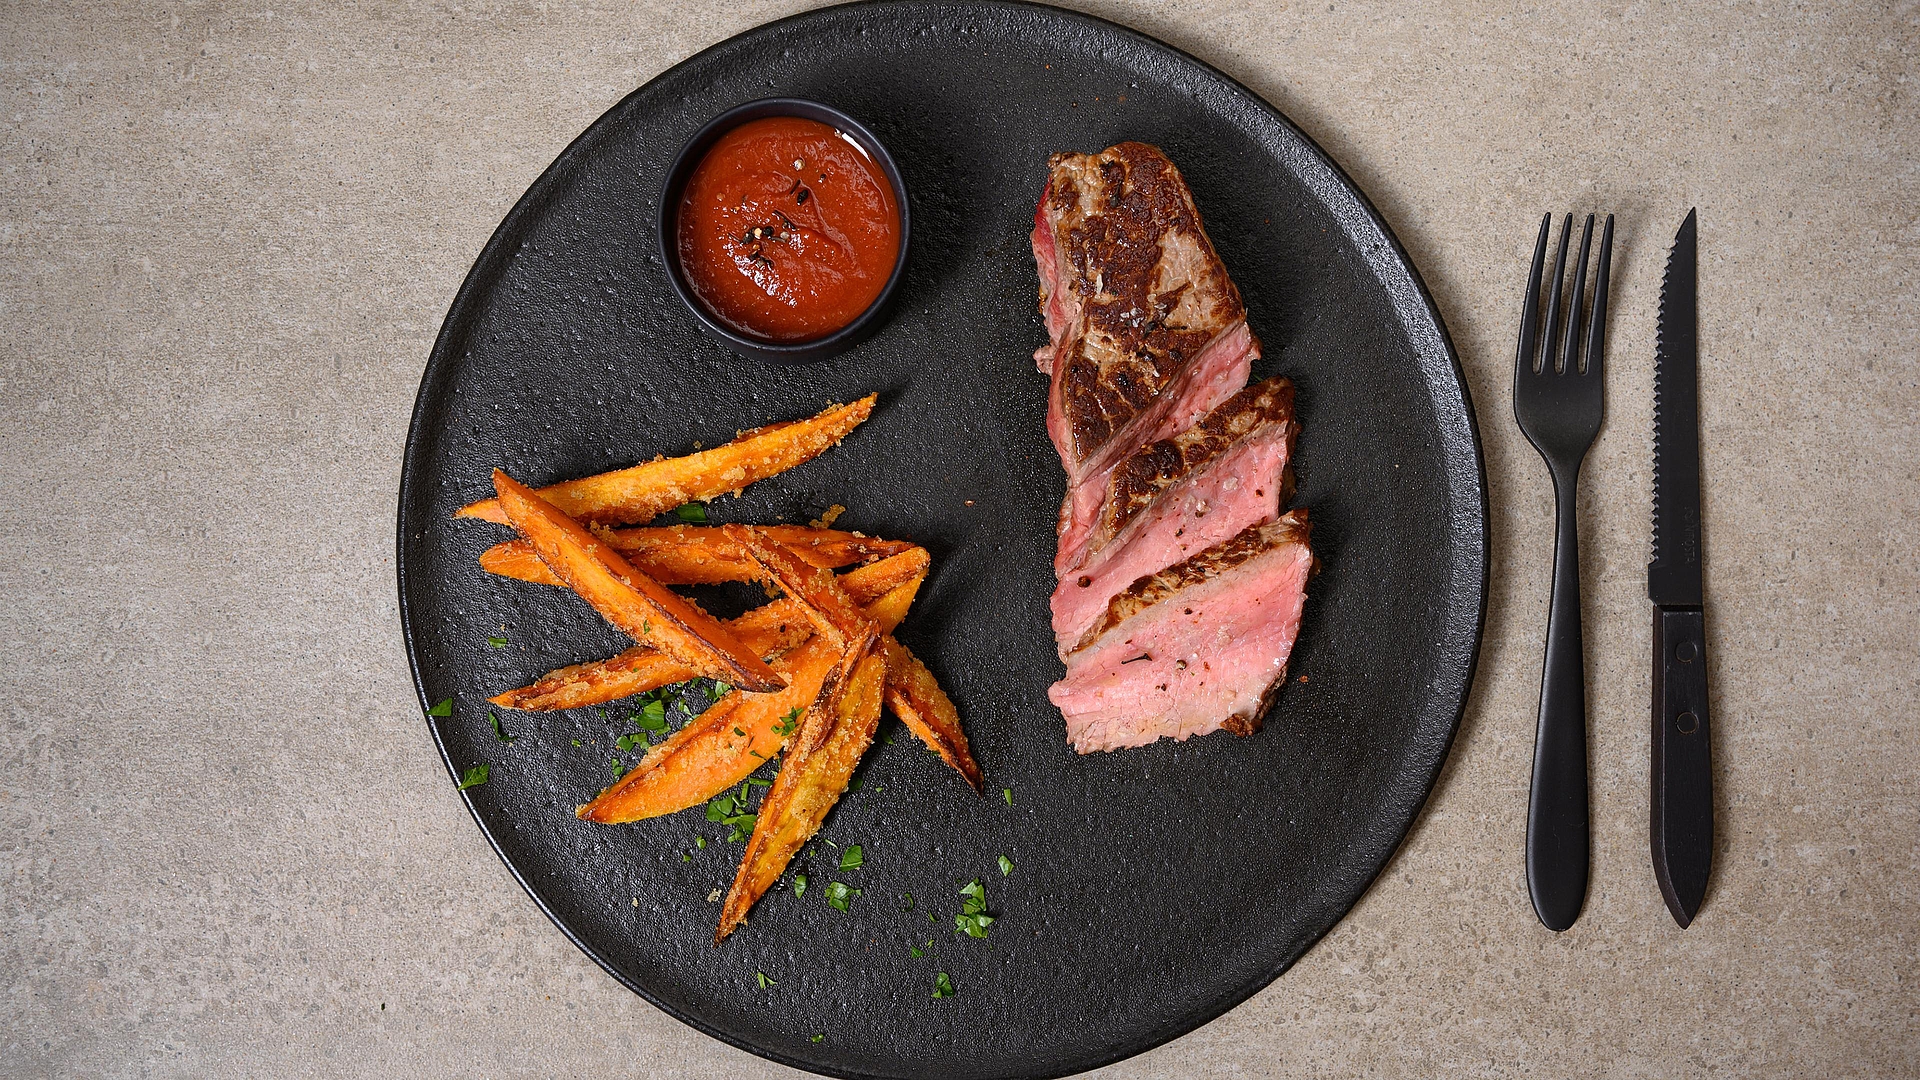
column 1558, row 402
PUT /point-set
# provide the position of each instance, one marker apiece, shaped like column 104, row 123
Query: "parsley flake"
column 474, row 777
column 576, row 742
column 497, row 732
column 445, row 708
column 758, row 782
column 700, row 842
column 914, row 951
column 1006, row 866
column 692, row 512
column 652, row 716
column 840, row 895
column 818, row 1037
column 799, row 884
column 718, row 690
column 627, row 742
column 1007, row 794
column 852, row 858
column 973, row 919
column 720, row 809
column 764, row 981
column 942, row 986
column 497, row 642
column 788, row 723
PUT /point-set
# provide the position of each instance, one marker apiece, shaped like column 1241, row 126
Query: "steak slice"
column 1197, row 647
column 1134, row 296
column 1219, row 372
column 1179, row 496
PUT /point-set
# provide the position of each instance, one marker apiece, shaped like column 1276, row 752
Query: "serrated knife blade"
column 1681, row 825
column 1673, row 574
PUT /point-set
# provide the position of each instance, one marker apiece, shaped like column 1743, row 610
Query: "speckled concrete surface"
column 228, row 233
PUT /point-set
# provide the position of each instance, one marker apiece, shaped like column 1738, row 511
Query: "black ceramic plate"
column 1152, row 889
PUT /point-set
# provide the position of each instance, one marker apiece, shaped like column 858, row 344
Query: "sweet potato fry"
column 771, row 629
column 724, row 745
column 833, row 612
column 643, row 492
column 696, row 554
column 628, row 599
column 808, row 786
column 916, row 698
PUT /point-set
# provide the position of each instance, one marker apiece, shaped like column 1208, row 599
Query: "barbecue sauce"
column 787, row 230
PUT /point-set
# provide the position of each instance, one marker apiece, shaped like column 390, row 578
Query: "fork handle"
column 1557, row 803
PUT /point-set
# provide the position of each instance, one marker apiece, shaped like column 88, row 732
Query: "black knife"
column 1682, row 804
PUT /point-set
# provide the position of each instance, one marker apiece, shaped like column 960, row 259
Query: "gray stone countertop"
column 229, row 231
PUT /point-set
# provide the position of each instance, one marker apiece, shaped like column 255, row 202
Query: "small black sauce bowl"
column 681, row 171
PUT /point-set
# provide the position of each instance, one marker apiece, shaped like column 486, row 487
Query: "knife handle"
column 1681, row 828
column 1557, row 800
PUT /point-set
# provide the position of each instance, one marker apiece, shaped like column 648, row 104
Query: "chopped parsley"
column 619, row 770
column 739, row 732
column 852, row 858
column 731, row 811
column 818, row 1037
column 788, row 723
column 474, row 777
column 652, row 716
column 758, row 782
column 497, row 732
column 445, row 708
column 497, row 642
column 692, row 512
column 1007, row 794
column 942, row 986
column 700, row 842
column 718, row 690
column 799, row 884
column 907, row 898
column 840, row 895
column 914, row 951
column 628, row 742
column 764, row 981
column 1006, row 866
column 973, row 919
column 576, row 742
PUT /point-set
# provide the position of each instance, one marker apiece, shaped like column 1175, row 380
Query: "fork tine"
column 1530, row 313
column 1570, row 349
column 1558, row 284
column 1597, row 332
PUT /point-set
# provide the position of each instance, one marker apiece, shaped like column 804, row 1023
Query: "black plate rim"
column 490, row 262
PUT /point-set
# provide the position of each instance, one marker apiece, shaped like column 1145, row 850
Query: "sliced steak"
column 1176, row 497
column 1197, row 647
column 1134, row 296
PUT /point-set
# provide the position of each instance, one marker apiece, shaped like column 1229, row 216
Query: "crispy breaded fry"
column 833, row 612
column 696, row 554
column 724, row 745
column 771, row 629
column 916, row 698
column 631, row 601
column 643, row 492
column 809, row 784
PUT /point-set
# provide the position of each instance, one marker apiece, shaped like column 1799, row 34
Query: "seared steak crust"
column 1290, row 528
column 1153, row 468
column 1152, row 291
